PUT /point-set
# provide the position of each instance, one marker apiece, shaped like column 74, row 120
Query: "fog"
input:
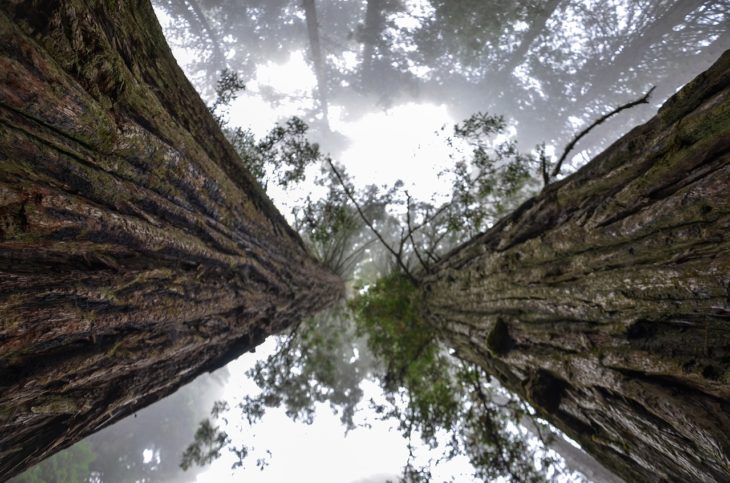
column 376, row 80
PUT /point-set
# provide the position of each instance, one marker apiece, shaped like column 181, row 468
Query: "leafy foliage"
column 492, row 178
column 524, row 58
column 227, row 88
column 282, row 155
column 430, row 392
column 206, row 446
column 379, row 334
column 318, row 362
column 331, row 227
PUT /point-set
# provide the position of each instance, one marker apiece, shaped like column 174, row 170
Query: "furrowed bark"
column 135, row 250
column 605, row 300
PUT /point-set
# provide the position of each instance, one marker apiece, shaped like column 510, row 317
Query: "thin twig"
column 370, row 225
column 642, row 100
column 429, row 219
column 434, row 246
column 431, row 255
column 402, row 241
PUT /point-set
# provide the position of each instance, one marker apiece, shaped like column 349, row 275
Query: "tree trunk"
column 198, row 16
column 315, row 49
column 629, row 56
column 372, row 34
column 605, row 300
column 537, row 26
column 135, row 250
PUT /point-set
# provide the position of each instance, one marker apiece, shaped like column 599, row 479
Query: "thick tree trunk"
column 605, row 300
column 135, row 251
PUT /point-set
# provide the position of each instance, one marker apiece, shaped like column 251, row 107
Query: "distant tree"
column 522, row 58
column 70, row 466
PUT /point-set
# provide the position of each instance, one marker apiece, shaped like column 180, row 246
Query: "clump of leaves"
column 206, row 447
column 381, row 334
column 492, row 177
column 227, row 88
column 317, row 362
column 429, row 392
column 387, row 313
column 281, row 156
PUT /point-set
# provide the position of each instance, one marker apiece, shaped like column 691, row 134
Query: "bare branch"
column 367, row 222
column 434, row 246
column 429, row 219
column 642, row 100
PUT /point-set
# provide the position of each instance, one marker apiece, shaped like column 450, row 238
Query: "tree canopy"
column 383, row 241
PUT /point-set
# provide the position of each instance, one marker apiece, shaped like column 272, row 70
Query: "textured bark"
column 605, row 300
column 135, row 251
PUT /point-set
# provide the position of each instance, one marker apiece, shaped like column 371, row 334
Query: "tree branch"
column 367, row 222
column 642, row 100
column 410, row 233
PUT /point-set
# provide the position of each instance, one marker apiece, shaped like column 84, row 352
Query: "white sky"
column 396, row 144
column 320, row 452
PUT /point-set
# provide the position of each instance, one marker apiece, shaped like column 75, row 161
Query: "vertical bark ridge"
column 605, row 300
column 136, row 252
